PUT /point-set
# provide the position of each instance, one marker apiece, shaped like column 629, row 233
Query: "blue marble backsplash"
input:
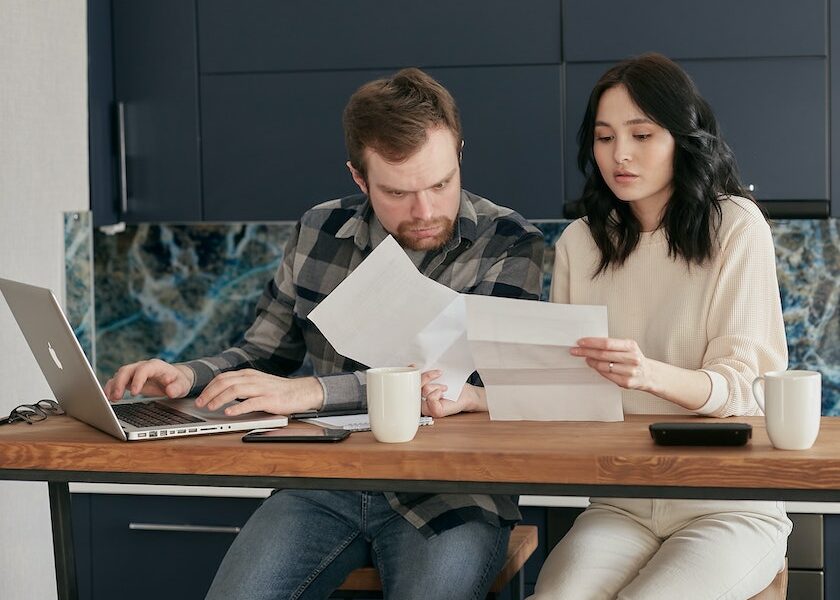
column 183, row 291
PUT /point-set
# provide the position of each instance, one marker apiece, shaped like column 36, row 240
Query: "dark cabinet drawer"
column 266, row 35
column 273, row 144
column 171, row 546
column 609, row 30
column 158, row 546
column 805, row 544
column 784, row 158
column 807, row 585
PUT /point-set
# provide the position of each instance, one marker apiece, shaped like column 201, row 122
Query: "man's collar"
column 467, row 226
column 358, row 225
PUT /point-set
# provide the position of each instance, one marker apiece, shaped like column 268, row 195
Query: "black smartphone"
column 313, row 434
column 701, row 434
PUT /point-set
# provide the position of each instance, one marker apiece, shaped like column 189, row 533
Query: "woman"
column 684, row 261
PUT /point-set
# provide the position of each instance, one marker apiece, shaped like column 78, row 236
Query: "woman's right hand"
column 150, row 378
column 435, row 404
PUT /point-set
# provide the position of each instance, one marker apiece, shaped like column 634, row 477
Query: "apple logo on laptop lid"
column 54, row 356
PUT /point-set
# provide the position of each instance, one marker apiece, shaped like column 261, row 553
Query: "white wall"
column 43, row 172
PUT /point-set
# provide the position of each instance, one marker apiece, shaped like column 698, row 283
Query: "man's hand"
column 260, row 391
column 150, row 378
column 434, row 404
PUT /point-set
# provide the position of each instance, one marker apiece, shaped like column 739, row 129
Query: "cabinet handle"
column 122, row 158
column 183, row 528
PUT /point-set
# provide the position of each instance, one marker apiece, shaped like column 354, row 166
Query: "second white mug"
column 792, row 403
column 393, row 397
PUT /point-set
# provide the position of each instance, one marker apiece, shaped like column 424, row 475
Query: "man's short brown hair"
column 392, row 116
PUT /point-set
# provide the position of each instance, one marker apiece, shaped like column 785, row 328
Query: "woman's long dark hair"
column 704, row 166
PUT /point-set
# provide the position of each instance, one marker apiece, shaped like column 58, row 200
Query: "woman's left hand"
column 620, row 361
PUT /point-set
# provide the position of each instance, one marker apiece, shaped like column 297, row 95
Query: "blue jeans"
column 303, row 544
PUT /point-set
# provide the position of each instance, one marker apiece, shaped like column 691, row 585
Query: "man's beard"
column 406, row 240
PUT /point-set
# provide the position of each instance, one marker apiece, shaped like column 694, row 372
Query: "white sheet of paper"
column 521, row 349
column 388, row 314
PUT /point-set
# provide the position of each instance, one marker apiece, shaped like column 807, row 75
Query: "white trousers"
column 643, row 549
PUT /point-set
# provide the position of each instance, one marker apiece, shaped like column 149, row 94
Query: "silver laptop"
column 76, row 388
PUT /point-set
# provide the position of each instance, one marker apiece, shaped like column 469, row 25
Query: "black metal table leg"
column 62, row 530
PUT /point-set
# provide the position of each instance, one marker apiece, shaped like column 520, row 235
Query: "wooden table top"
column 533, row 457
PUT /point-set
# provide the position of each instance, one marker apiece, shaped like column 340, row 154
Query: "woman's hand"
column 620, row 361
column 434, row 404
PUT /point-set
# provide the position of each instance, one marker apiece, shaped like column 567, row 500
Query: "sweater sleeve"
column 745, row 327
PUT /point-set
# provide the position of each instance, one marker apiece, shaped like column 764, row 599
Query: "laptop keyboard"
column 152, row 414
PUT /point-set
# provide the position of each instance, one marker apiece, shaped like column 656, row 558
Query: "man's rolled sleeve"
column 344, row 391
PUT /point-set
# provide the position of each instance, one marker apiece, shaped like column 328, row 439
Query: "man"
column 403, row 137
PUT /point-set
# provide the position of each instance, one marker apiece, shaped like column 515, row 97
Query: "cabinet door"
column 513, row 133
column 773, row 113
column 104, row 193
column 834, row 94
column 271, row 36
column 832, row 556
column 273, row 143
column 80, row 521
column 133, row 555
column 608, row 30
column 155, row 79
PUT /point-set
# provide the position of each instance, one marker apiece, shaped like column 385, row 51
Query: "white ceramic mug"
column 393, row 398
column 792, row 403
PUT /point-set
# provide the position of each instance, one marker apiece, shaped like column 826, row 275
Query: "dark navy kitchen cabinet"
column 231, row 111
column 513, row 134
column 137, row 546
column 273, row 145
column 152, row 546
column 832, row 556
column 268, row 36
column 171, row 546
column 273, row 142
column 609, row 30
column 157, row 145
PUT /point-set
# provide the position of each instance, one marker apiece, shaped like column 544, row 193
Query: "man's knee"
column 461, row 562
